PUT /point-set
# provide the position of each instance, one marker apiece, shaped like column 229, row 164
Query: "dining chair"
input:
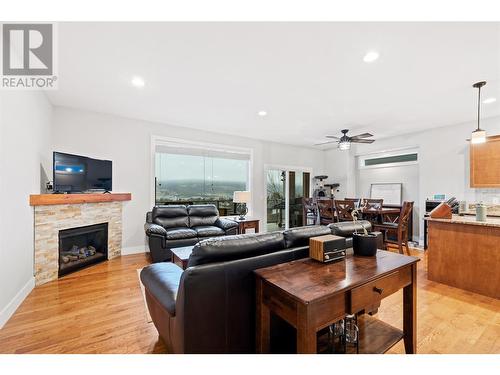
column 357, row 201
column 400, row 227
column 344, row 208
column 326, row 211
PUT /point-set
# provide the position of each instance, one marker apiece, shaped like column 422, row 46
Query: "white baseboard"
column 12, row 306
column 135, row 250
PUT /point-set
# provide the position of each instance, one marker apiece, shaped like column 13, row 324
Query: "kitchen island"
column 465, row 253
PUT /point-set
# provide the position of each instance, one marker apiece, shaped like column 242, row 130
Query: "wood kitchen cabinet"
column 485, row 163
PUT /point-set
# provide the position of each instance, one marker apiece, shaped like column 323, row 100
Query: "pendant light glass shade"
column 478, row 135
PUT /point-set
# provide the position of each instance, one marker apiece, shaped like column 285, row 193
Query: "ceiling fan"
column 345, row 141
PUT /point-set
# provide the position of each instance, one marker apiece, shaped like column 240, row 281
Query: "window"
column 392, row 158
column 197, row 175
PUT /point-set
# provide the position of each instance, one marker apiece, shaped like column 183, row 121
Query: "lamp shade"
column 241, row 197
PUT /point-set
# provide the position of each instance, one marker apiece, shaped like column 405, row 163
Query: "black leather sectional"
column 210, row 307
column 178, row 225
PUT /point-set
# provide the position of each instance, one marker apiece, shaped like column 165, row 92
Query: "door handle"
column 378, row 290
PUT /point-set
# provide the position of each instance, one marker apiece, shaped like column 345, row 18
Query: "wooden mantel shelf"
column 50, row 199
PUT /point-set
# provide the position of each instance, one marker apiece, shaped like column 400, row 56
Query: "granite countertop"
column 456, row 219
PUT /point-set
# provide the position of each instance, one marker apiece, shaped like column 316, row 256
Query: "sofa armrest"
column 154, row 229
column 162, row 282
column 347, row 228
column 229, row 226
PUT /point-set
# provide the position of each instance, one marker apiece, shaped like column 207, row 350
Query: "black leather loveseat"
column 210, row 307
column 178, row 225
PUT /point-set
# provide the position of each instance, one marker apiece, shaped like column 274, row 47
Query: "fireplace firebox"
column 81, row 247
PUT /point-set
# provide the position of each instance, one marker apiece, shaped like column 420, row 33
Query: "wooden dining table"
column 380, row 214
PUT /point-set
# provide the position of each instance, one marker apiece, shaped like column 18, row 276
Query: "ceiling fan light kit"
column 344, row 146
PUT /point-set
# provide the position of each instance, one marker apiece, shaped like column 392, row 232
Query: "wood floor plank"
column 101, row 310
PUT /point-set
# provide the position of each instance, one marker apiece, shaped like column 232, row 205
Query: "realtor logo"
column 28, row 56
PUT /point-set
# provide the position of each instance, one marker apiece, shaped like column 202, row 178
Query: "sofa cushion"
column 208, row 231
column 241, row 246
column 300, row 236
column 202, row 214
column 180, row 233
column 162, row 281
column 347, row 228
column 172, row 216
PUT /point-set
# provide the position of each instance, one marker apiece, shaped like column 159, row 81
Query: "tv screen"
column 74, row 174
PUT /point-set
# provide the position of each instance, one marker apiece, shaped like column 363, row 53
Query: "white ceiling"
column 309, row 77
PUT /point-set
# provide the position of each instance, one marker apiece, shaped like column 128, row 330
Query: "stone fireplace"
column 57, row 215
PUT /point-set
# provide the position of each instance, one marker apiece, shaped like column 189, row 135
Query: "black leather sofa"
column 178, row 225
column 210, row 307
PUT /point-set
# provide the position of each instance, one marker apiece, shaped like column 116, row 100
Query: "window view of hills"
column 197, row 190
column 192, row 179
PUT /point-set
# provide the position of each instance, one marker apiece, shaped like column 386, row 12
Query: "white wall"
column 25, row 121
column 340, row 168
column 127, row 143
column 443, row 162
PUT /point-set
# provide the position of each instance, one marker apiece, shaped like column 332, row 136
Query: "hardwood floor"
column 96, row 310
column 100, row 310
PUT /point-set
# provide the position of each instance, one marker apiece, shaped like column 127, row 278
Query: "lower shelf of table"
column 376, row 337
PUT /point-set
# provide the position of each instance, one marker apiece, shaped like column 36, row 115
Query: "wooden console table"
column 311, row 295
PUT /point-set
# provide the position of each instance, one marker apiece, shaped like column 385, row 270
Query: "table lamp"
column 241, row 198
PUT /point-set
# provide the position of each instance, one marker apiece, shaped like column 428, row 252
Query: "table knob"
column 378, row 290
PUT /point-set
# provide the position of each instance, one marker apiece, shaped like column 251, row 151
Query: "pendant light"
column 478, row 135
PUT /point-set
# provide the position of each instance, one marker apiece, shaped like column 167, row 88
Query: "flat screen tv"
column 77, row 174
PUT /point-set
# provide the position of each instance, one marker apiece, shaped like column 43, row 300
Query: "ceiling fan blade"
column 324, row 143
column 364, row 135
column 332, row 136
column 362, row 140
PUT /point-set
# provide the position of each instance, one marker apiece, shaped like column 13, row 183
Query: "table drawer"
column 373, row 292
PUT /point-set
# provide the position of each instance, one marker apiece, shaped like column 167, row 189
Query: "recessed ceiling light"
column 371, row 56
column 262, row 113
column 489, row 100
column 138, row 81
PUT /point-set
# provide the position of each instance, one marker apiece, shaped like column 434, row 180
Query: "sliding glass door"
column 299, row 188
column 285, row 189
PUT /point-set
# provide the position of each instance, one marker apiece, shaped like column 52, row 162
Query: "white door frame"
column 286, row 169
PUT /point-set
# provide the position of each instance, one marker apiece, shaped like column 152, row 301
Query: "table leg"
column 263, row 322
column 306, row 334
column 410, row 313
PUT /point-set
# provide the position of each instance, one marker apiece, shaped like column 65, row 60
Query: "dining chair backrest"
column 344, row 209
column 372, row 204
column 357, row 201
column 326, row 210
column 404, row 216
